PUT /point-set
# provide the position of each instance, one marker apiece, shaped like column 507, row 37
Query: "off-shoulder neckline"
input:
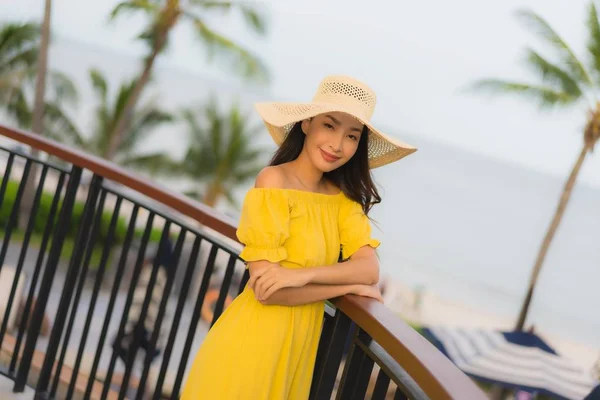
column 302, row 193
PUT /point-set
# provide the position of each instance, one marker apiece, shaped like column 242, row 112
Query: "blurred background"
column 462, row 220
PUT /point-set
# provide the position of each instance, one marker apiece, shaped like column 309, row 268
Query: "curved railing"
column 360, row 336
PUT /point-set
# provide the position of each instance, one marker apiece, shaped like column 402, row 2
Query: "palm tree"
column 19, row 47
column 564, row 82
column 19, row 54
column 19, row 50
column 164, row 16
column 147, row 118
column 221, row 155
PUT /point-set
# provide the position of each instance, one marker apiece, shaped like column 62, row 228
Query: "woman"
column 307, row 211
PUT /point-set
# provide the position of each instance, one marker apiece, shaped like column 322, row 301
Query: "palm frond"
column 222, row 5
column 24, row 58
column 14, row 37
column 18, row 56
column 133, row 6
column 553, row 74
column 18, row 109
column 254, row 18
column 593, row 44
column 547, row 33
column 153, row 162
column 144, row 122
column 546, row 97
column 62, row 127
column 233, row 54
column 11, row 83
column 224, row 152
column 99, row 84
column 62, row 87
column 118, row 107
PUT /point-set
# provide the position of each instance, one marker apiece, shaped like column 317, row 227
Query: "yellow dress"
column 267, row 352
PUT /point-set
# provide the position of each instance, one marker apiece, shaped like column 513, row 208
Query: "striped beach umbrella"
column 517, row 360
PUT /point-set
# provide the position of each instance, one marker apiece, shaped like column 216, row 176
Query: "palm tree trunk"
column 560, row 210
column 170, row 14
column 212, row 194
column 38, row 112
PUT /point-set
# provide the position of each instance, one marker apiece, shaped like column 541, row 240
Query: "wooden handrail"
column 435, row 374
column 191, row 208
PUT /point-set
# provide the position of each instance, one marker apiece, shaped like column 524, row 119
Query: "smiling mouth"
column 329, row 157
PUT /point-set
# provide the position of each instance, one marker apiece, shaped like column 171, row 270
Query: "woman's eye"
column 353, row 137
column 328, row 126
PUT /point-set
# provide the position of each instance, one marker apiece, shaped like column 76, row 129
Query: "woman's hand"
column 269, row 280
column 371, row 291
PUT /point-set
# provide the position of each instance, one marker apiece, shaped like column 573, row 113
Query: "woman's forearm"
column 309, row 293
column 364, row 271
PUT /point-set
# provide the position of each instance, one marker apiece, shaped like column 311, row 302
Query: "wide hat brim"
column 279, row 119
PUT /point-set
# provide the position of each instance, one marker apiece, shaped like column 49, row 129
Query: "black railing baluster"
column 113, row 297
column 187, row 281
column 244, row 280
column 358, row 370
column 125, row 315
column 210, row 264
column 69, row 284
column 97, row 284
column 324, row 380
column 348, row 383
column 172, row 270
column 47, row 280
column 6, row 176
column 140, row 323
column 399, row 395
column 25, row 245
column 363, row 377
column 37, row 270
column 224, row 288
column 94, row 228
column 324, row 342
column 382, row 385
column 14, row 215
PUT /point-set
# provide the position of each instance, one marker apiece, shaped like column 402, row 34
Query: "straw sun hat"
column 336, row 93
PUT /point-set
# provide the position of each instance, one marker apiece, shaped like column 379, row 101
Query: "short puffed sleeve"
column 354, row 228
column 264, row 225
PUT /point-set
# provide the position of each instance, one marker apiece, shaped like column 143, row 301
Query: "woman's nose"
column 336, row 143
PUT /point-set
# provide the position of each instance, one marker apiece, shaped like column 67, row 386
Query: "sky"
column 419, row 57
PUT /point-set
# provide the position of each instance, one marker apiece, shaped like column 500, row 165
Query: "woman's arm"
column 311, row 293
column 361, row 268
column 293, row 296
column 266, row 279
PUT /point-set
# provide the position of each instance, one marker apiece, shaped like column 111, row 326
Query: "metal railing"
column 122, row 265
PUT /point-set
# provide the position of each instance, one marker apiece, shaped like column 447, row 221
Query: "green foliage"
column 43, row 216
column 222, row 153
column 562, row 79
column 146, row 118
column 164, row 15
column 19, row 48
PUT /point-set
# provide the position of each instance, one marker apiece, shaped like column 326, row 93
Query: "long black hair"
column 353, row 178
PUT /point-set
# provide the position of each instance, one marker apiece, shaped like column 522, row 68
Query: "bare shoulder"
column 271, row 177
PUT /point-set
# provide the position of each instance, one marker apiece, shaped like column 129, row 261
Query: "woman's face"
column 331, row 139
